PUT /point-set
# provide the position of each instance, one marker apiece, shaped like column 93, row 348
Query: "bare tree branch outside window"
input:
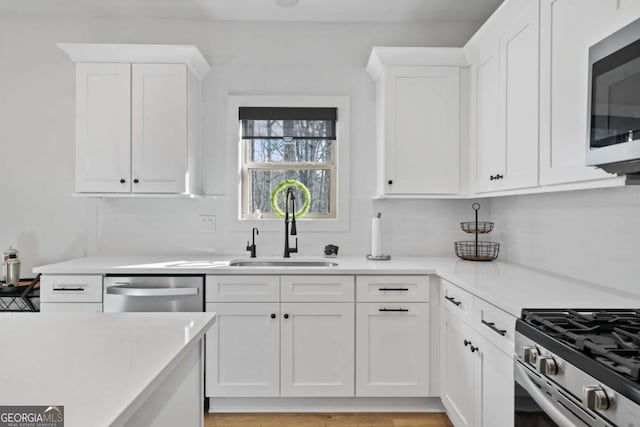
column 277, row 150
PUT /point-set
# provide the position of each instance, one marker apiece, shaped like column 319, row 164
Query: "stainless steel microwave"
column 614, row 102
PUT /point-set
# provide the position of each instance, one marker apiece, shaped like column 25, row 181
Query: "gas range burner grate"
column 611, row 337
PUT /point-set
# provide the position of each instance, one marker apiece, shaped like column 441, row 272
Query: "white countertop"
column 98, row 365
column 509, row 287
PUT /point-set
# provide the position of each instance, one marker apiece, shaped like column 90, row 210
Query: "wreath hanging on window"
column 283, row 186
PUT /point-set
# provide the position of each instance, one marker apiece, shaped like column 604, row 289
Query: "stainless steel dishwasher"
column 153, row 293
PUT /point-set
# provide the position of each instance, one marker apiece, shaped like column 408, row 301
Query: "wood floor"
column 328, row 420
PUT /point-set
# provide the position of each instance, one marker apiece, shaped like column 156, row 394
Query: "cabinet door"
column 519, row 58
column 422, row 115
column 159, row 128
column 317, row 349
column 71, row 307
column 493, row 386
column 488, row 143
column 103, row 128
column 242, row 349
column 457, row 381
column 392, row 349
column 568, row 28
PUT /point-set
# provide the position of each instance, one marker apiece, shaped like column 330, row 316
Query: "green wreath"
column 283, row 186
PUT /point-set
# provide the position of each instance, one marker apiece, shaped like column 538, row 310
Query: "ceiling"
column 262, row 10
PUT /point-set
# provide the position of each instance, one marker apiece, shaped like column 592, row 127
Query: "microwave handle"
column 554, row 413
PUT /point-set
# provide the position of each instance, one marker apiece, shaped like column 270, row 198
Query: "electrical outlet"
column 207, row 223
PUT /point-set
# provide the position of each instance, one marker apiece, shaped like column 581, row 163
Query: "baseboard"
column 325, row 404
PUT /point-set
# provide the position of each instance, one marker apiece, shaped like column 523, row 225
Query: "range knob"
column 546, row 365
column 595, row 398
column 530, row 354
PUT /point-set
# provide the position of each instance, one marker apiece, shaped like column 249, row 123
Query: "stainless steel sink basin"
column 293, row 263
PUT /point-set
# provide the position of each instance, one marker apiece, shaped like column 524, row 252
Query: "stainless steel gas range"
column 577, row 368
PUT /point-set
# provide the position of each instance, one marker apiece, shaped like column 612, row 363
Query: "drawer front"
column 242, row 289
column 392, row 288
column 71, row 307
column 317, row 288
column 495, row 325
column 71, row 289
column 457, row 301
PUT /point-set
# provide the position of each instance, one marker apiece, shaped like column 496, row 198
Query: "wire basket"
column 477, row 227
column 477, row 251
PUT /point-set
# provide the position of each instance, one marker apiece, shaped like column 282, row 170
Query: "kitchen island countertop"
column 102, row 367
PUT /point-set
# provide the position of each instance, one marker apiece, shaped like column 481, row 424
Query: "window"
column 286, row 143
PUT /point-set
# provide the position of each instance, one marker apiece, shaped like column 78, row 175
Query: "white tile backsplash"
column 592, row 235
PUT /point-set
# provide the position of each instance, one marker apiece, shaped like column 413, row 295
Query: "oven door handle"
column 132, row 291
column 554, row 413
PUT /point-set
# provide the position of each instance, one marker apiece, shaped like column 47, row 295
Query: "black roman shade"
column 288, row 123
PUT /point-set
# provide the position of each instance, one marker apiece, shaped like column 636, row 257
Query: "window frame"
column 248, row 166
column 340, row 155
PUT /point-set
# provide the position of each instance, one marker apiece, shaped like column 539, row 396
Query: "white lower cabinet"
column 70, row 293
column 477, row 387
column 242, row 350
column 317, row 349
column 392, row 342
column 280, row 348
column 494, row 400
column 71, row 307
column 457, row 383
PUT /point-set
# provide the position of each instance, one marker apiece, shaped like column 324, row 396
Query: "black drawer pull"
column 453, row 301
column 69, row 289
column 393, row 289
column 394, row 309
column 492, row 326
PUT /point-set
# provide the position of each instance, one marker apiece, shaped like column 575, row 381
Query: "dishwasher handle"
column 132, row 291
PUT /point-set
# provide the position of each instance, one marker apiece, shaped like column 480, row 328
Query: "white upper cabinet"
column 103, row 128
column 137, row 118
column 159, row 128
column 568, row 29
column 487, row 141
column 418, row 119
column 519, row 64
column 504, row 88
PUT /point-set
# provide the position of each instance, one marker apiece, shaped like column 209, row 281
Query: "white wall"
column 592, row 235
column 37, row 136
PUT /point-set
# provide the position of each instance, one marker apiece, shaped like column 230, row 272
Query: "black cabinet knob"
column 122, row 181
column 273, row 315
column 466, row 343
column 390, row 181
column 473, row 349
column 286, row 316
column 135, row 181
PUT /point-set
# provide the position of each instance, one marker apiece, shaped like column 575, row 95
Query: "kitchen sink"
column 283, row 263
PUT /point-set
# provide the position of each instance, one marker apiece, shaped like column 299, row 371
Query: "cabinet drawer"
column 317, row 288
column 392, row 288
column 71, row 289
column 495, row 325
column 457, row 301
column 71, row 307
column 242, row 289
